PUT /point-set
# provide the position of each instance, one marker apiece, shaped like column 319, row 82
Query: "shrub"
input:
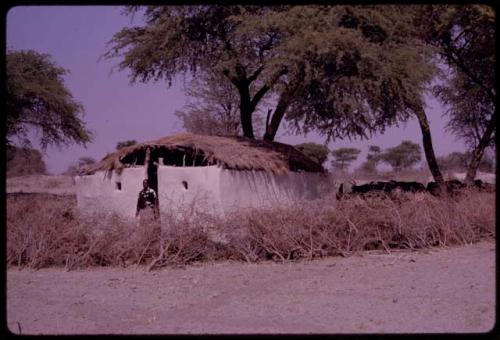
column 44, row 230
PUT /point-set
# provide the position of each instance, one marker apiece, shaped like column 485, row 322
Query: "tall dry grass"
column 47, row 231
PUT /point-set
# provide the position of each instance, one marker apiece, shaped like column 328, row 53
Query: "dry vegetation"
column 46, row 230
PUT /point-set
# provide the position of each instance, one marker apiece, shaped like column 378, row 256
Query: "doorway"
column 152, row 171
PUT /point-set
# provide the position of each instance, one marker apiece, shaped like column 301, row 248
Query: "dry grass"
column 44, row 232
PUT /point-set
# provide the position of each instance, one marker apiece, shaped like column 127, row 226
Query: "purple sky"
column 76, row 36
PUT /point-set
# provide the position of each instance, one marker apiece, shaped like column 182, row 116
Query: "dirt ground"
column 446, row 290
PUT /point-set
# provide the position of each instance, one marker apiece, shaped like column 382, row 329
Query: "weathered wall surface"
column 202, row 192
column 243, row 189
column 98, row 192
column 188, row 190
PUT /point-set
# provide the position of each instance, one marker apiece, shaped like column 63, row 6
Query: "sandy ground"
column 446, row 290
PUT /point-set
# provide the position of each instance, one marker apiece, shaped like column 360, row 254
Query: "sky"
column 115, row 110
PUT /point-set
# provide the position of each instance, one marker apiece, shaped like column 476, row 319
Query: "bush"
column 47, row 231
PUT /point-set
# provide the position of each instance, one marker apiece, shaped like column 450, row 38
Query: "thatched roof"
column 229, row 152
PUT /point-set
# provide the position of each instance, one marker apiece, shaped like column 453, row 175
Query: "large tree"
column 213, row 107
column 342, row 70
column 38, row 98
column 464, row 37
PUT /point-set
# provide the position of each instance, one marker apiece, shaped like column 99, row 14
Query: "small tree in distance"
column 374, row 153
column 73, row 169
column 316, row 152
column 125, row 143
column 343, row 157
column 403, row 156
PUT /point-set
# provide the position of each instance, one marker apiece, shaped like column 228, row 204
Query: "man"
column 146, row 203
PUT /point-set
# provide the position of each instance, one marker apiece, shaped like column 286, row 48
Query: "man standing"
column 146, row 203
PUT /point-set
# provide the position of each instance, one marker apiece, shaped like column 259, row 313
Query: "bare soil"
column 439, row 290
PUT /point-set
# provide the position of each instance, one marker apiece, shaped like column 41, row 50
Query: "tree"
column 343, row 157
column 82, row 162
column 213, row 107
column 125, row 143
column 24, row 161
column 464, row 36
column 368, row 167
column 317, row 152
column 373, row 155
column 345, row 71
column 403, row 156
column 459, row 161
column 37, row 97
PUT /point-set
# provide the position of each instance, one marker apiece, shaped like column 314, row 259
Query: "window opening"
column 185, row 184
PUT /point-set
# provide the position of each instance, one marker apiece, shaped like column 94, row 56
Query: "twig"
column 142, row 254
column 160, row 256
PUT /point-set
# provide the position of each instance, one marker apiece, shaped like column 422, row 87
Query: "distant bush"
column 74, row 169
column 458, row 161
column 22, row 161
column 47, row 231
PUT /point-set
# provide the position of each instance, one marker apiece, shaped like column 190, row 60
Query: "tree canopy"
column 38, row 98
column 345, row 71
column 343, row 157
column 213, row 107
column 464, row 37
column 316, row 152
column 73, row 169
column 22, row 161
column 459, row 161
column 403, row 156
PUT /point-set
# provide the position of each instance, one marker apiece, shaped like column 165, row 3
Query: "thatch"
column 229, row 152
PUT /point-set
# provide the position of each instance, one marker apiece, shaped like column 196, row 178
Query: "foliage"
column 24, row 161
column 317, row 152
column 464, row 36
column 125, row 143
column 366, row 72
column 343, row 157
column 367, row 167
column 403, row 156
column 459, row 161
column 73, row 169
column 345, row 71
column 37, row 97
column 213, row 107
column 373, row 155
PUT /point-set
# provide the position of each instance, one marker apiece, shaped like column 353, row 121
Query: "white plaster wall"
column 210, row 190
column 202, row 194
column 98, row 192
column 244, row 189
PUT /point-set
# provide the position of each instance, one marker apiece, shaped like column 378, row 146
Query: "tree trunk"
column 428, row 149
column 278, row 115
column 246, row 111
column 478, row 152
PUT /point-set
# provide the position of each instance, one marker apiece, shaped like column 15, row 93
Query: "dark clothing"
column 147, row 199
